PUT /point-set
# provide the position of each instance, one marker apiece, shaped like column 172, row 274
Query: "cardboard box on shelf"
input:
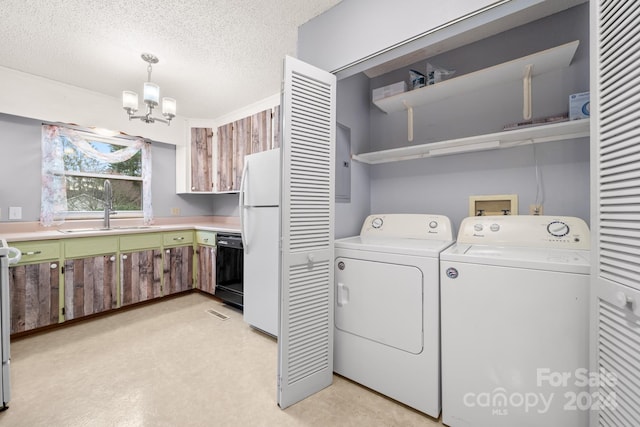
column 579, row 107
column 389, row 90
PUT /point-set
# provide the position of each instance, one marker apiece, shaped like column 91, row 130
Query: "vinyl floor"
column 172, row 363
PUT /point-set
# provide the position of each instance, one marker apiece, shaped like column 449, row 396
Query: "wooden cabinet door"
column 140, row 276
column 35, row 292
column 251, row 134
column 241, row 147
column 261, row 132
column 89, row 285
column 201, row 159
column 177, row 270
column 207, row 269
column 225, row 157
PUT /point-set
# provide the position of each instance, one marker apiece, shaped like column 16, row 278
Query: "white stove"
column 8, row 255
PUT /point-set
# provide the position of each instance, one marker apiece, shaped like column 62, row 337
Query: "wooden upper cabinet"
column 225, row 158
column 261, row 131
column 201, row 159
column 251, row 134
column 241, row 147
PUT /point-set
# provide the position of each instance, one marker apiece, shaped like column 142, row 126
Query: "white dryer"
column 515, row 321
column 387, row 317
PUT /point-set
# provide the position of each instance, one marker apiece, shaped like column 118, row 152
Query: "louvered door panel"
column 305, row 339
column 616, row 214
column 619, row 142
column 618, row 342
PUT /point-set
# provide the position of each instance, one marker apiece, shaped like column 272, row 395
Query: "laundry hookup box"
column 389, row 90
column 579, row 107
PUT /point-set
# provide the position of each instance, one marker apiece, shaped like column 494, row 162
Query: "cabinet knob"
column 124, row 257
column 167, row 251
column 193, row 188
column 206, row 240
column 112, row 258
column 53, row 266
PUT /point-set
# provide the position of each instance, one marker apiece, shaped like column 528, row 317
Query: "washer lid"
column 394, row 245
column 561, row 260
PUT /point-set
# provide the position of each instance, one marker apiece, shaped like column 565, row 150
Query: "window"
column 75, row 167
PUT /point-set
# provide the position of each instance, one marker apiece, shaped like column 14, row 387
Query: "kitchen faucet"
column 108, row 203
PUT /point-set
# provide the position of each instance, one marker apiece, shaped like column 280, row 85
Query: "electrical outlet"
column 15, row 212
column 175, row 211
column 535, row 210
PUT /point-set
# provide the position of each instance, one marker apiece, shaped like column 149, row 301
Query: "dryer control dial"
column 558, row 228
column 494, row 227
column 376, row 222
column 433, row 224
column 478, row 227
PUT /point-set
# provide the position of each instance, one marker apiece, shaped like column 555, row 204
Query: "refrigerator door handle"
column 242, row 208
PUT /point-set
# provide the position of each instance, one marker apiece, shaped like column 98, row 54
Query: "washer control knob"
column 433, row 224
column 558, row 228
column 377, row 222
column 478, row 227
column 494, row 227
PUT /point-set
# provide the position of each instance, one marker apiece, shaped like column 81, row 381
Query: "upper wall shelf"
column 547, row 60
column 531, row 135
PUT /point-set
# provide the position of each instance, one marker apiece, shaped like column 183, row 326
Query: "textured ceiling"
column 216, row 56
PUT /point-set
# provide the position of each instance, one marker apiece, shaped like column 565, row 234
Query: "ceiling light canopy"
column 151, row 95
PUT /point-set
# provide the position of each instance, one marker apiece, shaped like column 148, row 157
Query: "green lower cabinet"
column 177, row 270
column 35, row 295
column 207, row 269
column 89, row 285
column 71, row 278
column 140, row 276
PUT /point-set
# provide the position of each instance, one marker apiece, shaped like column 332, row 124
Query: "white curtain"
column 54, row 194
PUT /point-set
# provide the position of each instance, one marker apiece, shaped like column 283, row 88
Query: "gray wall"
column 353, row 112
column 225, row 204
column 20, row 166
column 20, row 174
column 443, row 185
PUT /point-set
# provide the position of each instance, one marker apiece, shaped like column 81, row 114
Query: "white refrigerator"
column 260, row 226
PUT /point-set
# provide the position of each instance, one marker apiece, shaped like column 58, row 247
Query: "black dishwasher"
column 229, row 268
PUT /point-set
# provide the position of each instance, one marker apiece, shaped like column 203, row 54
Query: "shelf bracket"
column 526, row 86
column 409, row 122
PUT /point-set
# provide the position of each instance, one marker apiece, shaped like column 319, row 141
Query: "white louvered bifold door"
column 615, row 311
column 305, row 339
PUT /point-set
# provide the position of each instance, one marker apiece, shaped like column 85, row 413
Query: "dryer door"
column 380, row 301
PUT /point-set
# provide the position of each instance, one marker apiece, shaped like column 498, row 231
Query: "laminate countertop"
column 26, row 231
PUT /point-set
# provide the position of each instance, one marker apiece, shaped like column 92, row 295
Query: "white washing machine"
column 515, row 323
column 387, row 317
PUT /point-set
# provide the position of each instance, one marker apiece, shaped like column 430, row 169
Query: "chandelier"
column 151, row 98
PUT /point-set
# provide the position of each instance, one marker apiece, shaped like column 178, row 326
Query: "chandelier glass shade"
column 151, row 98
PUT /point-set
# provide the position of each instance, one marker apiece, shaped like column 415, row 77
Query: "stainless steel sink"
column 92, row 229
